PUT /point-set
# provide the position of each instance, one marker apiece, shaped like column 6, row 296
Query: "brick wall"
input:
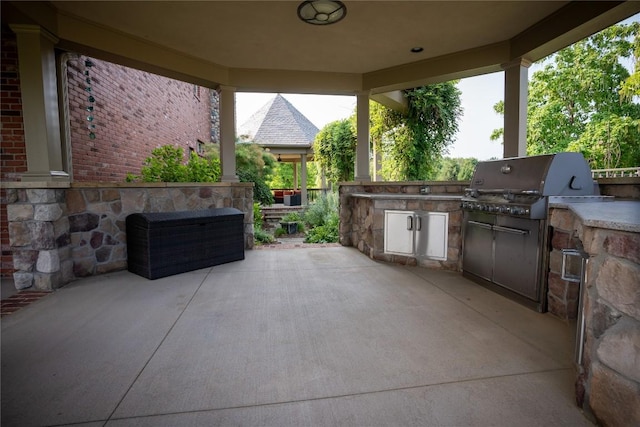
column 134, row 112
column 13, row 152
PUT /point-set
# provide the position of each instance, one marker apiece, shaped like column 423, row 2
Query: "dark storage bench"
column 160, row 244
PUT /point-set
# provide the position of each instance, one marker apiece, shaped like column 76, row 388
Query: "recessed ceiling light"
column 416, row 49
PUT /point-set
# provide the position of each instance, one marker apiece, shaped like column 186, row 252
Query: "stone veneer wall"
column 362, row 219
column 608, row 385
column 60, row 232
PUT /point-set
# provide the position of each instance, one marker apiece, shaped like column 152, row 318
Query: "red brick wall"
column 134, row 113
column 13, row 155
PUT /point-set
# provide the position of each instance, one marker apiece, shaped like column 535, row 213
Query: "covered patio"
column 286, row 338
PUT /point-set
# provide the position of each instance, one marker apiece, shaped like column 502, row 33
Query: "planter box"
column 165, row 243
column 291, row 227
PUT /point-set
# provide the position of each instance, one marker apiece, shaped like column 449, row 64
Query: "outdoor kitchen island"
column 426, row 216
column 607, row 373
column 607, row 305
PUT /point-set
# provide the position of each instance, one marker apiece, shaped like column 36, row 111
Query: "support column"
column 39, row 87
column 228, row 133
column 516, row 90
column 362, row 145
column 303, row 179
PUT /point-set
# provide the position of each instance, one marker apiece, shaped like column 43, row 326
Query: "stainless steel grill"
column 505, row 220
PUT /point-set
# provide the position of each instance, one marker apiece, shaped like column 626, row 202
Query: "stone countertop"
column 404, row 196
column 613, row 215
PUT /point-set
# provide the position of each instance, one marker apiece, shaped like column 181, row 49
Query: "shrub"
column 257, row 216
column 326, row 233
column 261, row 236
column 318, row 213
column 279, row 232
column 292, row 217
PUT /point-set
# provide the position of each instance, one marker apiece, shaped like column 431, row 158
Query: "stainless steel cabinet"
column 416, row 233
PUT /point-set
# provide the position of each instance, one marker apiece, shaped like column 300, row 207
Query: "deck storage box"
column 160, row 244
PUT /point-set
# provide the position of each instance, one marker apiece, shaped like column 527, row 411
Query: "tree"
column 334, row 148
column 412, row 142
column 455, row 169
column 575, row 102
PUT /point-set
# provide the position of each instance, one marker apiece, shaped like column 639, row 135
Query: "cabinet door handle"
column 418, row 223
column 409, row 223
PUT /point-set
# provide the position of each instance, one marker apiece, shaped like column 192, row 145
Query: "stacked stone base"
column 59, row 232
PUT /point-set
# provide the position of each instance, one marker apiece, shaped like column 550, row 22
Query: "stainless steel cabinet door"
column 431, row 240
column 399, row 232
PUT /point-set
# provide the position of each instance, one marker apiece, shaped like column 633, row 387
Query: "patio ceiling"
column 263, row 46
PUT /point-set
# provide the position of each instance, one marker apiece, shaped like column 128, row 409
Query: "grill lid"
column 561, row 174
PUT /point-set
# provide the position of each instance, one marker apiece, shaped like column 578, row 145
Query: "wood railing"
column 615, row 173
column 312, row 193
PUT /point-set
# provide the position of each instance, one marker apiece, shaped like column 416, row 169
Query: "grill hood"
column 561, row 174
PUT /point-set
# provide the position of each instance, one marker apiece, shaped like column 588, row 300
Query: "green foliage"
column 166, row 165
column 200, row 169
column 327, row 233
column 257, row 215
column 292, row 217
column 253, row 164
column 454, row 169
column 279, row 232
column 412, row 142
column 335, row 148
column 261, row 236
column 323, row 219
column 575, row 102
column 318, row 213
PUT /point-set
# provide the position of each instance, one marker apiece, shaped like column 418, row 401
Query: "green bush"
column 327, row 233
column 323, row 219
column 261, row 236
column 319, row 212
column 279, row 232
column 292, row 217
column 165, row 165
column 257, row 216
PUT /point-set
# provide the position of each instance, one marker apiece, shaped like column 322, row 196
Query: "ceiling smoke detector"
column 321, row 12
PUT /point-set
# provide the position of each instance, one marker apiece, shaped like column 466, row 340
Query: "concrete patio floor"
column 299, row 337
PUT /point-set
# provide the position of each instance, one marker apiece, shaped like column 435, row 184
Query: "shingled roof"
column 278, row 123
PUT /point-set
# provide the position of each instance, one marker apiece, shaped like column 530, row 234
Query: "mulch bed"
column 16, row 301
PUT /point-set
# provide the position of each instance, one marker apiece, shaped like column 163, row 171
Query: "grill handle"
column 481, row 224
column 511, row 230
column 409, row 222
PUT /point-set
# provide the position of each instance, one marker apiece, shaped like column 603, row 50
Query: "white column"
column 295, row 175
column 41, row 117
column 303, row 178
column 228, row 134
column 516, row 90
column 362, row 145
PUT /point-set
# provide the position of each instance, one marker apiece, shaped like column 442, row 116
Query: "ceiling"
column 263, row 46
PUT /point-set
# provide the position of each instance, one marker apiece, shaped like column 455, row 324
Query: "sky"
column 479, row 95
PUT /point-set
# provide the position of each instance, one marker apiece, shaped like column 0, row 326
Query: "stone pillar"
column 38, row 81
column 516, row 89
column 228, row 134
column 303, row 179
column 39, row 238
column 362, row 146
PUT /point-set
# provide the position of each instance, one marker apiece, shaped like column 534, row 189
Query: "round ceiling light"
column 321, row 12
